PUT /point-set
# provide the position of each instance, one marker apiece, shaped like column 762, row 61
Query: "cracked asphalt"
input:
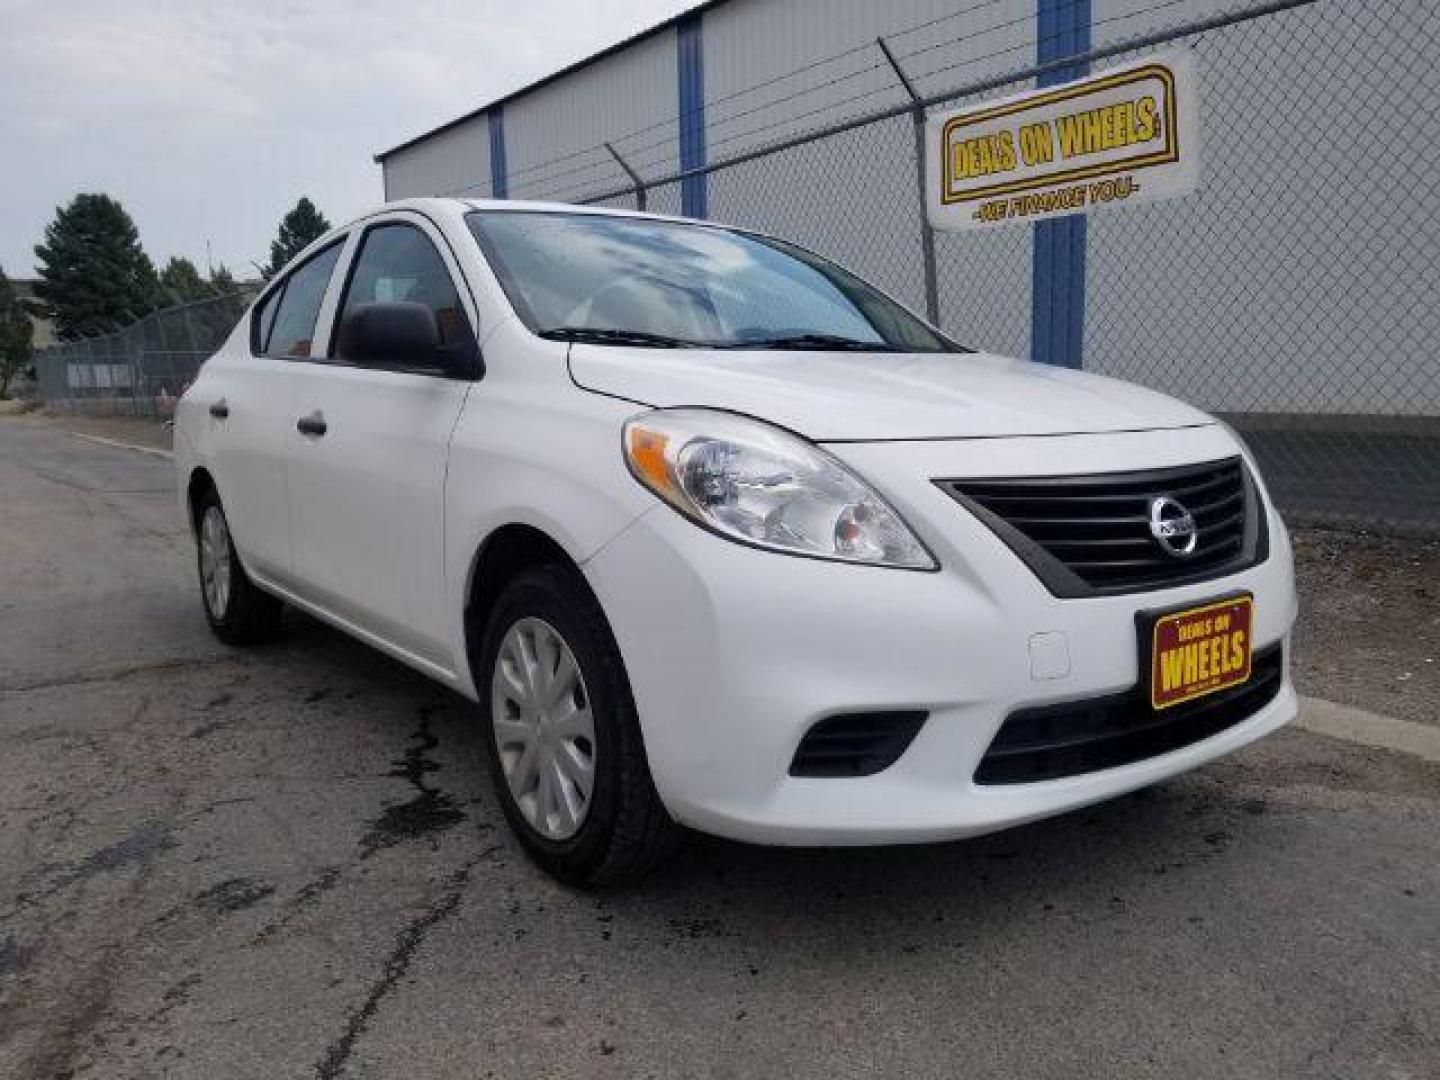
column 288, row 862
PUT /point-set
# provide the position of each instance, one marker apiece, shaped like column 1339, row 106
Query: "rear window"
column 285, row 322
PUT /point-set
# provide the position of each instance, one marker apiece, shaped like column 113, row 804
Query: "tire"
column 623, row 830
column 239, row 613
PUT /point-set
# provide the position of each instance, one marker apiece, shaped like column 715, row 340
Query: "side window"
column 264, row 321
column 293, row 328
column 398, row 262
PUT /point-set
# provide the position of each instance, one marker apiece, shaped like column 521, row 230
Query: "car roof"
column 450, row 204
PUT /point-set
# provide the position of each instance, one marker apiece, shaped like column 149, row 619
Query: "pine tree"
column 298, row 229
column 94, row 276
column 180, row 282
column 222, row 282
column 16, row 332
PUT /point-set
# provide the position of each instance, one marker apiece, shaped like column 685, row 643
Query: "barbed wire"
column 672, row 159
column 990, row 83
column 708, row 104
column 516, row 177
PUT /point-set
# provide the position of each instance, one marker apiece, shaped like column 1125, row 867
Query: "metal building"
column 1296, row 291
column 725, row 78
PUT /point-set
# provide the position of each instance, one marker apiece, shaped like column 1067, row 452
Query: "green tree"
column 213, row 321
column 222, row 282
column 298, row 229
column 94, row 276
column 180, row 282
column 16, row 331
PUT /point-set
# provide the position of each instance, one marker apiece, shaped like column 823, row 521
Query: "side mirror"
column 403, row 335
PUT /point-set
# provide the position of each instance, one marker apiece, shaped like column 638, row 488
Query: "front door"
column 368, row 454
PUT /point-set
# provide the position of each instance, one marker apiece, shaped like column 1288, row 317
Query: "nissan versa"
column 720, row 536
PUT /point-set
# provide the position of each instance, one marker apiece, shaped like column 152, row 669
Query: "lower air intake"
column 856, row 744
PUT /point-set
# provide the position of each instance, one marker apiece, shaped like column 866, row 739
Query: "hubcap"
column 215, row 561
column 544, row 730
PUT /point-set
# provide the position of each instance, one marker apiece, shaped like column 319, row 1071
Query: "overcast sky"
column 209, row 118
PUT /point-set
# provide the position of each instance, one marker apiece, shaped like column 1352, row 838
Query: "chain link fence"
column 1296, row 293
column 142, row 369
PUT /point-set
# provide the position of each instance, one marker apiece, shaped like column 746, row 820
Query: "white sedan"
column 719, row 536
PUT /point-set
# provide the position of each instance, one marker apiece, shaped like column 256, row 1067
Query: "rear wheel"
column 238, row 612
column 562, row 736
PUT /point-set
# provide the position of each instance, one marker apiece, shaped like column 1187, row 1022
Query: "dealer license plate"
column 1200, row 650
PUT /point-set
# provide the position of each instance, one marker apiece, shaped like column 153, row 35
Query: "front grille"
column 1053, row 741
column 1090, row 535
column 856, row 744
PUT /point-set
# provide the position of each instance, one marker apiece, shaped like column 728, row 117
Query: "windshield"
column 638, row 281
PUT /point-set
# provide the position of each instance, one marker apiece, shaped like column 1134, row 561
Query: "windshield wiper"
column 836, row 342
column 599, row 336
column 594, row 335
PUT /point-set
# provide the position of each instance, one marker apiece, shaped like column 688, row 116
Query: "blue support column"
column 1057, row 315
column 499, row 185
column 690, row 57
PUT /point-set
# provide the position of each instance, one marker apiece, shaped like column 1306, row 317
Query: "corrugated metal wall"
column 813, row 62
column 452, row 162
column 1303, row 168
column 553, row 134
column 774, row 70
column 771, row 69
column 1289, row 197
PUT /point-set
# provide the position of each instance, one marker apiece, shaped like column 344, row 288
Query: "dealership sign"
column 1126, row 135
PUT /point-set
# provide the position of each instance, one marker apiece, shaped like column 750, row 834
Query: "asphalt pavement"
column 288, row 862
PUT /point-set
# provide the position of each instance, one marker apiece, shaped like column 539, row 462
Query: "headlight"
column 763, row 486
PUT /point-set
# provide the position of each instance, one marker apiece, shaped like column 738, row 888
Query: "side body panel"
column 244, row 451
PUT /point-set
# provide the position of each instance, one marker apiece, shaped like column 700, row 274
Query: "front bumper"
column 733, row 653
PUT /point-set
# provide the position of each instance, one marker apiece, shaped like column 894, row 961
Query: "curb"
column 1369, row 729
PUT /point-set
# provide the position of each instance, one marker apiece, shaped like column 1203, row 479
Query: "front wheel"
column 562, row 736
column 238, row 612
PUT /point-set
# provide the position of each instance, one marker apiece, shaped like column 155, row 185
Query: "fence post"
column 634, row 177
column 142, row 355
column 92, row 381
column 927, row 234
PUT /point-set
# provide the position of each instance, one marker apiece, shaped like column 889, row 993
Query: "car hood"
column 834, row 396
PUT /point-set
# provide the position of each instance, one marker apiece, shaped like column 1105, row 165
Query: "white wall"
column 628, row 98
column 768, row 77
column 453, row 162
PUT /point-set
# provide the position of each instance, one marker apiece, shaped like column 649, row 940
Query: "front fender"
column 555, row 467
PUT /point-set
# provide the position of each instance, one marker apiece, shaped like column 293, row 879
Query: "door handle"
column 219, row 409
column 314, row 424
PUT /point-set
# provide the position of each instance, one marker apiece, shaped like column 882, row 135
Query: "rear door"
column 368, row 448
column 249, row 414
